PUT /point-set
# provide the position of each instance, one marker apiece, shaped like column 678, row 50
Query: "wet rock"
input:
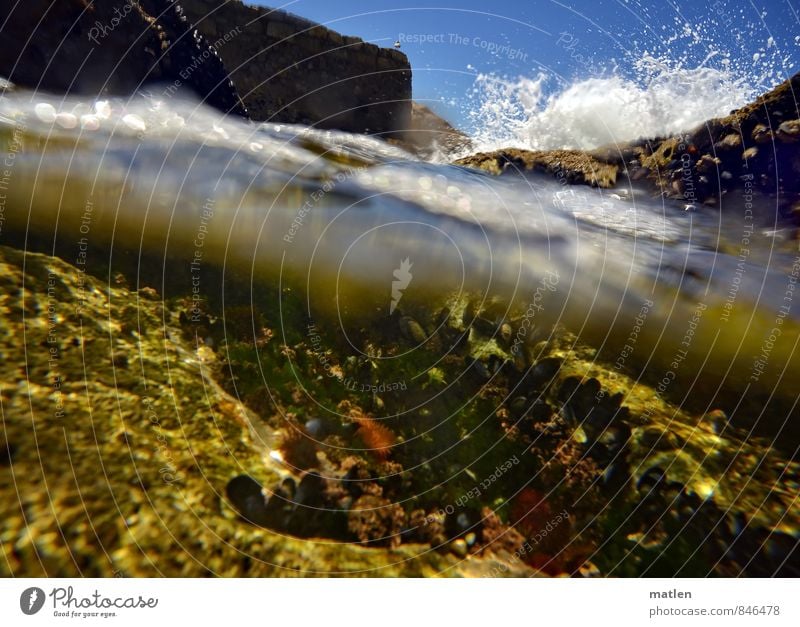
column 730, row 142
column 412, row 330
column 130, row 45
column 652, row 479
column 247, row 496
column 459, row 547
column 7, row 452
column 750, row 153
column 761, row 134
column 708, row 164
column 315, row 427
column 571, row 166
column 290, row 69
column 657, row 439
column 717, row 420
column 543, row 373
column 484, row 327
column 430, row 135
column 789, row 132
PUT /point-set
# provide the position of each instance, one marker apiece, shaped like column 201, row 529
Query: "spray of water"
column 663, row 99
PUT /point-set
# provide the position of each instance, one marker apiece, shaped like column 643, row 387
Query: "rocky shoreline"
column 756, row 147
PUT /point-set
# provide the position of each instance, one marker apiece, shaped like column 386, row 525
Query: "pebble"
column 412, row 329
column 45, row 112
column 750, row 153
column 247, row 496
column 789, row 131
column 459, row 547
column 66, row 120
column 90, row 122
column 134, row 122
column 315, row 428
column 761, row 134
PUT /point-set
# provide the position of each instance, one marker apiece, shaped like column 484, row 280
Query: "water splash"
column 664, row 99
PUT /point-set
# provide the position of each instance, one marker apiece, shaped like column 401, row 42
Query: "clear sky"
column 449, row 42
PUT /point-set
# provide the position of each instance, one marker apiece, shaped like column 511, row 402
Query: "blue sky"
column 448, row 42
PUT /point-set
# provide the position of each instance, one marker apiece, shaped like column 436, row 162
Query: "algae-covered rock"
column 118, row 446
column 569, row 166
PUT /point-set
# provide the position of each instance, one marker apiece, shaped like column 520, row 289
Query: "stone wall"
column 288, row 69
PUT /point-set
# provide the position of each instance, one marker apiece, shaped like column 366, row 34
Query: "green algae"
column 128, row 416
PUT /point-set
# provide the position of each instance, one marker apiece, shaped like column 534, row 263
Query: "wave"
column 660, row 98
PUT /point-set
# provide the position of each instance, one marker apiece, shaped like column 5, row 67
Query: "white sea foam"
column 663, row 98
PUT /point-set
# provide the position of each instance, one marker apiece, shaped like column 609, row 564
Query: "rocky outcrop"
column 289, row 69
column 569, row 166
column 756, row 147
column 286, row 68
column 75, row 46
column 430, row 135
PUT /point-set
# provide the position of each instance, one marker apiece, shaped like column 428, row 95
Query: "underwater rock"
column 247, row 496
column 376, row 520
column 412, row 330
column 7, row 451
